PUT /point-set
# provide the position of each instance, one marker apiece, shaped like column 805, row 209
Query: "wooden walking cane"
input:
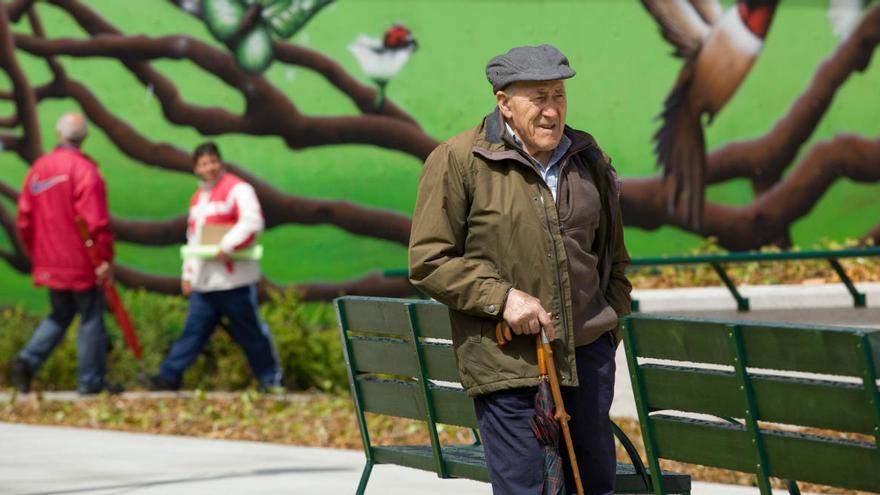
column 547, row 367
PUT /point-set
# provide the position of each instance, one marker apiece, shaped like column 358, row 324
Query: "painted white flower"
column 379, row 63
column 844, row 16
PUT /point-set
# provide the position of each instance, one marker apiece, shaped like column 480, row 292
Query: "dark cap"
column 528, row 63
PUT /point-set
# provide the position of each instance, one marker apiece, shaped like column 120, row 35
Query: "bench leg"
column 362, row 486
column 792, row 487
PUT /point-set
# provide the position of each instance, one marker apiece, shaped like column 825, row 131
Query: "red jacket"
column 60, row 186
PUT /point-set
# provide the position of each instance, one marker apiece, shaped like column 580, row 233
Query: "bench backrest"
column 401, row 362
column 803, row 384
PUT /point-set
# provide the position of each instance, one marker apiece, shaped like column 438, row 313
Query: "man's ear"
column 503, row 101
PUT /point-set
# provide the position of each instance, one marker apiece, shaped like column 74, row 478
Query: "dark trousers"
column 515, row 459
column 245, row 327
column 91, row 343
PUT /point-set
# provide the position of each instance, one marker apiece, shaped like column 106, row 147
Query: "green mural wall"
column 625, row 70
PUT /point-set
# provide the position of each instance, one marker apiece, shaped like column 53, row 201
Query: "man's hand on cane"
column 525, row 315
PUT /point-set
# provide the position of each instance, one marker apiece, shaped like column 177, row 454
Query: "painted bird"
column 719, row 48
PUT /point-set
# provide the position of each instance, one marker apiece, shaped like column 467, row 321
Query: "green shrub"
column 305, row 335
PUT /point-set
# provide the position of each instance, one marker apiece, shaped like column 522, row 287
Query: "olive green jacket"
column 485, row 221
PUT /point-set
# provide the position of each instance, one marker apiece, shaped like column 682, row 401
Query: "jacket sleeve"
column 619, row 287
column 250, row 220
column 23, row 220
column 90, row 202
column 437, row 265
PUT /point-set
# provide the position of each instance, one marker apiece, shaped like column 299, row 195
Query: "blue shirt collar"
column 557, row 154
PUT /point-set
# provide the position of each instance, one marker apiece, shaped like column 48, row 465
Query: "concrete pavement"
column 51, row 460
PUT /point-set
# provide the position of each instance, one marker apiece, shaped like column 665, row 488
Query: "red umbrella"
column 110, row 293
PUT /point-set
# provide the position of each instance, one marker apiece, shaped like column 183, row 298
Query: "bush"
column 305, row 334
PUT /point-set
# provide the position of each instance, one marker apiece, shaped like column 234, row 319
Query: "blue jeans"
column 245, row 327
column 513, row 455
column 91, row 344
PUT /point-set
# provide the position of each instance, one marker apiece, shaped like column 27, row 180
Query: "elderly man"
column 61, row 186
column 518, row 220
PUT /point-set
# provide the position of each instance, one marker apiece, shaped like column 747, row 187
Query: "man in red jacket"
column 61, row 186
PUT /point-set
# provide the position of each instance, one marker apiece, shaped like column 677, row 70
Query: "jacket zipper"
column 556, row 266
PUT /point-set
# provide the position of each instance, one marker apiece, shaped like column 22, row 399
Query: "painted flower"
column 382, row 59
column 844, row 16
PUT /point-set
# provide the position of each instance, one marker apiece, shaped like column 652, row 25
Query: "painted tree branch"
column 151, row 232
column 9, row 121
column 362, row 96
column 871, row 238
column 278, row 207
column 373, row 283
column 17, row 258
column 8, row 192
column 29, row 145
column 16, row 8
column 763, row 160
column 41, row 92
column 10, row 142
column 263, row 99
column 757, row 224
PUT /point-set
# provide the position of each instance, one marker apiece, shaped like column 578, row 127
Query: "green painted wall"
column 624, row 72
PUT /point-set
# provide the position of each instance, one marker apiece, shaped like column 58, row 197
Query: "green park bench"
column 788, row 401
column 400, row 363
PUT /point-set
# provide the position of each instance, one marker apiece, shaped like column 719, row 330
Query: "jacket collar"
column 493, row 143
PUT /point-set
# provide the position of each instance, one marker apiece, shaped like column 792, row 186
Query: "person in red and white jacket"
column 61, row 186
column 221, row 286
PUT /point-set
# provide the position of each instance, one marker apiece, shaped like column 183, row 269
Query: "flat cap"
column 528, row 63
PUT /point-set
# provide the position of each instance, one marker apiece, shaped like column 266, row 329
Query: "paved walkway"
column 51, row 460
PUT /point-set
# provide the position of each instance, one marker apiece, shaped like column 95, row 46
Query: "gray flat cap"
column 528, row 63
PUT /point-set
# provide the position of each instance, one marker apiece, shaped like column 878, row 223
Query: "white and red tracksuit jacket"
column 60, row 186
column 231, row 201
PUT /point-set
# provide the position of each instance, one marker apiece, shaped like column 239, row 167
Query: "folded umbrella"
column 110, row 294
column 550, row 416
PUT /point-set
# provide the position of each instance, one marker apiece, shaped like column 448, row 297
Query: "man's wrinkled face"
column 536, row 112
column 208, row 167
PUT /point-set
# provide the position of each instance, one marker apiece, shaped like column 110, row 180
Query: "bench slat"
column 695, row 340
column 462, row 461
column 384, row 316
column 698, row 442
column 781, row 399
column 403, row 399
column 794, row 456
column 440, row 361
column 433, row 319
column 783, row 347
column 454, row 407
column 391, row 398
column 802, row 349
column 382, row 355
column 396, row 357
